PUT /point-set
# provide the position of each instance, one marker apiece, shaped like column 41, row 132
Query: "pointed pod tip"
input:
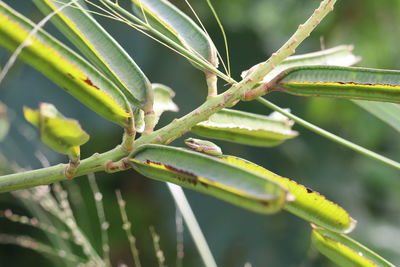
column 290, row 197
column 352, row 226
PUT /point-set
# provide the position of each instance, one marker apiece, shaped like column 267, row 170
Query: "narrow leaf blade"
column 387, row 112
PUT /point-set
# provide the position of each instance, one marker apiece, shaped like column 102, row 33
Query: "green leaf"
column 100, row 48
column 163, row 99
column 307, row 204
column 176, row 25
column 387, row 112
column 4, row 123
column 209, row 175
column 64, row 67
column 246, row 128
column 339, row 55
column 59, row 133
column 340, row 82
column 345, row 251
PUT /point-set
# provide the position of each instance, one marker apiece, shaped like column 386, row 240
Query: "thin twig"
column 34, row 222
column 180, row 246
column 66, row 215
column 127, row 226
column 98, row 197
column 30, row 243
column 156, row 243
column 330, row 136
column 210, row 5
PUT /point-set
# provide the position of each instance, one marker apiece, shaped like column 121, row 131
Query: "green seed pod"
column 246, row 128
column 209, row 175
column 340, row 82
column 345, row 251
column 307, row 204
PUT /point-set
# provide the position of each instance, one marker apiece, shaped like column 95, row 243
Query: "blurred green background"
column 368, row 189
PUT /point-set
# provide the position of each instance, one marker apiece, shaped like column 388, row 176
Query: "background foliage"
column 255, row 28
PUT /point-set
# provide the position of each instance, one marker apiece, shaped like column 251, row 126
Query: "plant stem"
column 330, row 136
column 303, row 31
column 201, row 62
column 95, row 163
column 178, row 127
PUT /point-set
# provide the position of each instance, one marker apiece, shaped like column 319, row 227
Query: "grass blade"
column 192, row 224
column 331, row 136
column 387, row 112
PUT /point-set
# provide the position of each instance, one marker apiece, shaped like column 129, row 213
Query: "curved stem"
column 330, row 136
column 177, row 127
column 52, row 174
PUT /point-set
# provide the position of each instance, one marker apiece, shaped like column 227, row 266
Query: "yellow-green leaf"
column 64, row 67
column 59, row 133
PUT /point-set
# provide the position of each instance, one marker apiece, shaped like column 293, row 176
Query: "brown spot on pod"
column 265, row 203
column 90, row 83
column 172, row 168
